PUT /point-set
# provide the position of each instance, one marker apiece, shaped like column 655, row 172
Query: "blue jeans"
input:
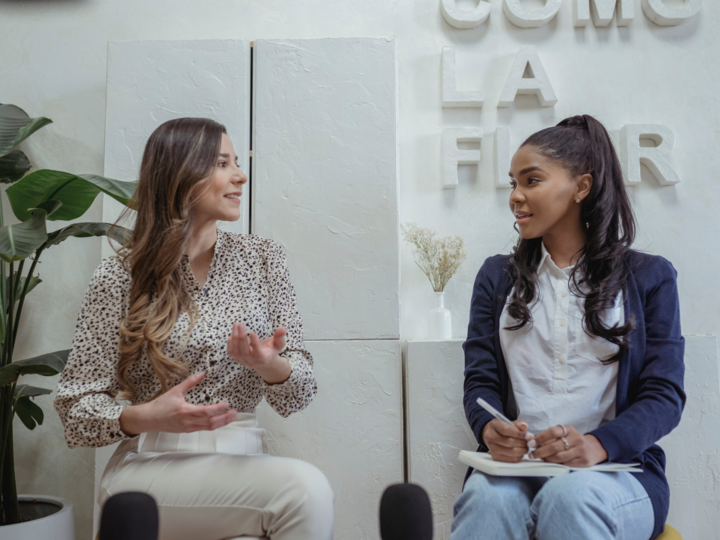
column 581, row 505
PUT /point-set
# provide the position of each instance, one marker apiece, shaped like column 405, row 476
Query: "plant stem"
column 24, row 291
column 10, row 507
column 3, row 305
column 8, row 345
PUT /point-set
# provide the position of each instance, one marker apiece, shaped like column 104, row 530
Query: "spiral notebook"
column 482, row 461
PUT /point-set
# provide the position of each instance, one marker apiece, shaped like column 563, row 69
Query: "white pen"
column 500, row 416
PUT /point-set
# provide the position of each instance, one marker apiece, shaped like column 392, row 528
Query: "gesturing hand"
column 171, row 413
column 580, row 451
column 262, row 356
column 507, row 443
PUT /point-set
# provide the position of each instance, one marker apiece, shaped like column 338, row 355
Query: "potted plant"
column 35, row 198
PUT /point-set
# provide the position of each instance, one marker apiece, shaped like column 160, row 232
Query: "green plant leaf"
column 29, row 412
column 34, row 282
column 19, row 241
column 16, row 126
column 85, row 230
column 75, row 192
column 13, row 167
column 23, row 390
column 46, row 364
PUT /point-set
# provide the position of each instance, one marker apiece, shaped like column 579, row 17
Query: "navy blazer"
column 650, row 396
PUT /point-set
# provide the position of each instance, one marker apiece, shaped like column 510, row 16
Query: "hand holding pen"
column 507, row 441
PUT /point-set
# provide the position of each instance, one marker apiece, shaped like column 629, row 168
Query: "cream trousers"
column 217, row 485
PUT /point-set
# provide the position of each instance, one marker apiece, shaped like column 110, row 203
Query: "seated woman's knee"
column 308, row 484
column 483, row 492
column 571, row 492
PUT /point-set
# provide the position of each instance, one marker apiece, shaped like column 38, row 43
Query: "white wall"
column 54, row 61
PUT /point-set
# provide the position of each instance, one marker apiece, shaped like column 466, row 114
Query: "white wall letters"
column 654, row 158
column 451, row 97
column 530, row 18
column 460, row 18
column 453, row 156
column 538, row 85
column 663, row 15
column 602, row 12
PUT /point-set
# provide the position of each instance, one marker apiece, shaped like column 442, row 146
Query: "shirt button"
column 563, row 294
column 561, row 359
column 562, row 322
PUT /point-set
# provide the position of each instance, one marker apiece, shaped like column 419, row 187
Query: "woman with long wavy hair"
column 178, row 339
column 576, row 337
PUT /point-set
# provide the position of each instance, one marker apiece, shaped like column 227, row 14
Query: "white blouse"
column 554, row 365
column 248, row 282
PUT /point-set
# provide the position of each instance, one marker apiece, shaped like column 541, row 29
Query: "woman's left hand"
column 262, row 356
column 580, row 451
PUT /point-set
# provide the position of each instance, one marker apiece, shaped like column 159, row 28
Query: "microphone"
column 129, row 516
column 405, row 513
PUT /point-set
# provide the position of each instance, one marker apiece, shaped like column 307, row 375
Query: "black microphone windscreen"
column 405, row 513
column 129, row 516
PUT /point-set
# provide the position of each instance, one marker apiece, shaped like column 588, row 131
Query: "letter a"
column 538, row 85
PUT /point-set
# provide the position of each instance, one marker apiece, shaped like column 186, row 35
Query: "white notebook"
column 482, row 461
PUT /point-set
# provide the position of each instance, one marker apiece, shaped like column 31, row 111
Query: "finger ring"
column 567, row 445
column 564, row 430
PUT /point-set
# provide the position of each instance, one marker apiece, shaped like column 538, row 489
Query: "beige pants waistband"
column 242, row 437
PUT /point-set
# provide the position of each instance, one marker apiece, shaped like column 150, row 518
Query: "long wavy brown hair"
column 583, row 146
column 179, row 159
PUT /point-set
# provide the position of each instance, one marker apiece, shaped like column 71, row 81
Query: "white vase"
column 57, row 526
column 439, row 319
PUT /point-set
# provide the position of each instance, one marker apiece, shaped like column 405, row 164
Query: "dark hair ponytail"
column 583, row 146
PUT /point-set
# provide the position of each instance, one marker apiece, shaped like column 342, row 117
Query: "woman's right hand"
column 508, row 443
column 172, row 414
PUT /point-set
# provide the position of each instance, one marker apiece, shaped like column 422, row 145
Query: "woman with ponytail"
column 178, row 339
column 576, row 337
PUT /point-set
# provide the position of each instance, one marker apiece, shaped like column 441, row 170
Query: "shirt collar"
column 548, row 264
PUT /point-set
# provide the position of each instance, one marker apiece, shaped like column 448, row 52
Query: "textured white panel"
column 437, row 430
column 352, row 431
column 602, row 12
column 538, row 85
column 436, row 425
column 655, row 158
column 502, row 157
column 150, row 82
column 462, row 18
column 663, row 15
column 524, row 17
column 453, row 156
column 451, row 97
column 325, row 178
column 693, row 449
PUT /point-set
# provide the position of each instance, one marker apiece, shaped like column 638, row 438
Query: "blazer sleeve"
column 481, row 365
column 657, row 397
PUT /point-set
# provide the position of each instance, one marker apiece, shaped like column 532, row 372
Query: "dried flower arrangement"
column 438, row 257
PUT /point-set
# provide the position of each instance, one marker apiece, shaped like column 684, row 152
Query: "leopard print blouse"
column 248, row 282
